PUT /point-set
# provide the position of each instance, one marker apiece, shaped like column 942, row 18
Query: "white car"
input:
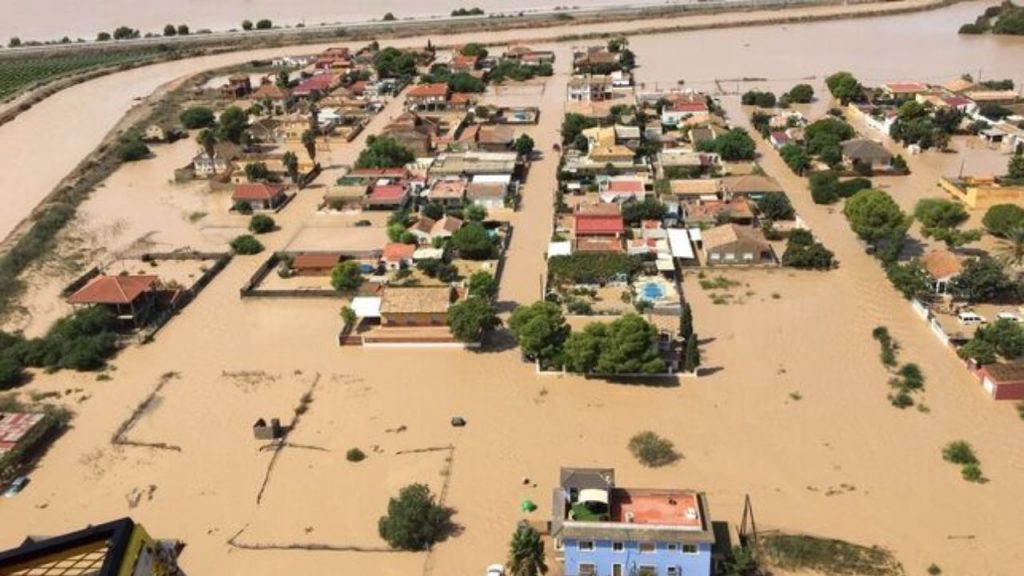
column 16, row 486
column 495, row 570
column 969, row 318
column 1008, row 316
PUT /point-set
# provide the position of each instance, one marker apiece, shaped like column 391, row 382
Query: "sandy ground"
column 839, row 462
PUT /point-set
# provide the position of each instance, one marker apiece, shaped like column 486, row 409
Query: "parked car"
column 1008, row 316
column 495, row 570
column 16, row 486
column 968, row 318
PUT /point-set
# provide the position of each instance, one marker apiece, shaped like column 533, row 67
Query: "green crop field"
column 16, row 74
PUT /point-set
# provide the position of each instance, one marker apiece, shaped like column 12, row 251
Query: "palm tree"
column 309, row 141
column 1013, row 246
column 526, row 553
column 207, row 140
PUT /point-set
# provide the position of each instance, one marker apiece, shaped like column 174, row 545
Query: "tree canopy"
column 801, row 93
column 526, row 553
column 473, row 242
column 197, row 117
column 394, row 63
column 232, row 123
column 472, row 319
column 982, row 280
column 346, row 276
column 540, row 329
column 733, row 145
column 628, row 345
column 384, row 152
column 844, row 87
column 414, row 520
column 1002, row 219
column 776, row 206
column 875, row 216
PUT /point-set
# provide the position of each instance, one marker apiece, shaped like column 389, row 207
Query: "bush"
column 246, row 244
column 776, row 206
column 591, row 267
column 132, row 149
column 912, row 376
column 959, row 452
column 346, row 276
column 473, row 242
column 197, row 117
column 414, row 520
column 652, row 450
column 355, row 455
column 261, row 224
column 971, row 473
column 1002, row 219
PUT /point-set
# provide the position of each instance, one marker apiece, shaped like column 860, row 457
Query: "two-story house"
column 600, row 529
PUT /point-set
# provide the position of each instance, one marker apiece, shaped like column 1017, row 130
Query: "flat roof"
column 14, row 426
column 656, row 507
column 679, row 242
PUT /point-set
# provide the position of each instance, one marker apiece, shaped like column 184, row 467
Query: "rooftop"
column 256, row 191
column 121, row 289
column 14, row 426
column 656, row 507
column 412, row 300
column 438, row 90
column 1013, row 372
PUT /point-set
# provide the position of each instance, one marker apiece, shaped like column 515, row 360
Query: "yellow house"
column 981, row 192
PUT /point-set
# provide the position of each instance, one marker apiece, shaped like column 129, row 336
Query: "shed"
column 1003, row 381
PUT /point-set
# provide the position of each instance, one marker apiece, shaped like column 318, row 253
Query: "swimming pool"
column 652, row 291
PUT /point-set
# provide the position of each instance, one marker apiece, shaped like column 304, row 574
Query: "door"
column 617, row 570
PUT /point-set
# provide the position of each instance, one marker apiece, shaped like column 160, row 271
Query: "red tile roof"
column 689, row 107
column 428, row 90
column 396, row 252
column 599, row 224
column 379, row 173
column 315, row 261
column 627, row 186
column 113, row 290
column 322, row 82
column 257, row 191
column 905, row 87
column 388, row 192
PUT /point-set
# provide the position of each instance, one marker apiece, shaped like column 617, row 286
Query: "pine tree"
column 691, row 355
column 686, row 323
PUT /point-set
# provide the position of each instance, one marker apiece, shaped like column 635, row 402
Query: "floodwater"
column 84, row 18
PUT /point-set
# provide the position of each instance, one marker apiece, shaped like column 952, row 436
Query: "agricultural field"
column 17, row 74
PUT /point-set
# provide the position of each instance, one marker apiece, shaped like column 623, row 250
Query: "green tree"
column 132, row 149
column 183, row 30
column 232, row 124
column 197, row 117
column 394, row 63
column 1002, row 219
column 208, row 141
column 844, row 87
column 346, row 276
column 384, row 152
column 979, row 350
column 524, row 145
column 475, row 213
column 246, row 25
column 125, row 33
column 875, row 216
column 526, row 553
column 261, row 224
column 466, row 82
column 309, row 143
column 1006, row 337
column 472, row 242
column 414, row 520
column 801, row 93
column 472, row 319
column 348, row 315
column 686, row 322
column 291, row 164
column 474, row 49
column 691, row 354
column 939, row 213
column 1013, row 246
column 804, row 253
column 981, row 280
column 795, row 157
column 246, row 244
column 257, row 172
column 1015, row 167
column 15, row 42
column 736, row 144
column 652, row 450
column 170, row 30
column 103, row 37
column 482, row 284
column 627, row 60
column 264, row 24
column 11, row 372
column 776, row 206
column 389, row 17
column 573, row 126
column 630, row 347
column 910, row 279
column 540, row 330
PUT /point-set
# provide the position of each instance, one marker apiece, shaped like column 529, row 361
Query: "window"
column 748, row 255
column 690, row 549
column 730, row 255
column 647, row 571
column 588, row 569
column 559, row 545
column 617, row 570
column 618, row 547
column 716, row 256
column 646, row 548
column 585, row 545
column 672, row 571
column 673, row 547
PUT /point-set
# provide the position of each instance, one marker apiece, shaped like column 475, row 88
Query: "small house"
column 1003, row 381
column 259, row 195
column 315, row 264
column 865, row 152
column 397, row 256
column 732, row 244
column 428, row 96
column 387, row 197
column 224, row 153
column 238, row 86
column 448, row 192
column 415, row 306
column 942, row 266
column 130, row 298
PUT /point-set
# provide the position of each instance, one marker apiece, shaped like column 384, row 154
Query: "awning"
column 594, row 495
column 679, row 243
column 366, row 306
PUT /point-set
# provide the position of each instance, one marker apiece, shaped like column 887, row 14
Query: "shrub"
column 246, row 244
column 243, row 208
column 652, row 450
column 1002, row 219
column 913, row 377
column 971, row 473
column 132, row 149
column 959, row 452
column 346, row 276
column 776, row 206
column 355, row 455
column 261, row 224
column 414, row 520
column 197, row 117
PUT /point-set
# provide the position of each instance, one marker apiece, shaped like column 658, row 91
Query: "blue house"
column 603, row 530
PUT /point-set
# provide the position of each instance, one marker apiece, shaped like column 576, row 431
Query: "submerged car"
column 16, row 486
column 495, row 570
